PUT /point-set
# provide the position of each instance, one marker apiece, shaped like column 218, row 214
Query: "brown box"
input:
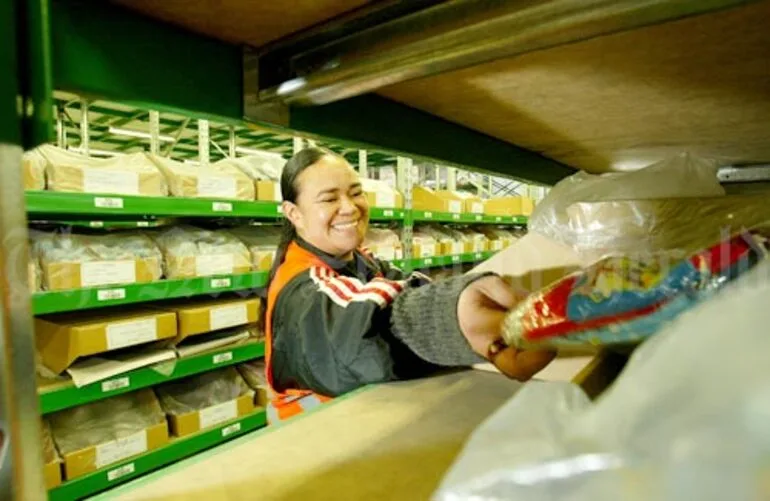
column 190, row 266
column 385, row 200
column 193, row 422
column 201, row 317
column 421, row 251
column 527, row 206
column 34, row 173
column 262, row 260
column 473, row 205
column 261, row 397
column 426, row 199
column 504, row 206
column 52, row 474
column 84, row 461
column 74, row 275
column 268, row 191
column 455, row 203
column 63, row 338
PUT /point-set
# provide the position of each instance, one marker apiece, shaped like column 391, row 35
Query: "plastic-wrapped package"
column 262, row 165
column 383, row 243
column 621, row 300
column 499, row 239
column 69, row 260
column 425, row 245
column 195, row 252
column 449, row 240
column 253, row 373
column 105, row 420
column 33, row 164
column 130, row 174
column 262, row 242
column 685, row 420
column 202, row 391
column 382, row 194
column 479, row 240
column 217, row 180
column 49, row 449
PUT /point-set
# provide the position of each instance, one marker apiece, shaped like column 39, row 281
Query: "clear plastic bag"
column 686, row 420
column 202, row 391
column 217, row 180
column 192, row 252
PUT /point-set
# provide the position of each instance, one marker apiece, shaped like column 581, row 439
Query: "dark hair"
column 293, row 168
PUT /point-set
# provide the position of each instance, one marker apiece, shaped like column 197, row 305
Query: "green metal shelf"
column 382, row 214
column 57, row 399
column 439, row 261
column 112, row 295
column 176, row 450
column 106, row 225
column 465, row 218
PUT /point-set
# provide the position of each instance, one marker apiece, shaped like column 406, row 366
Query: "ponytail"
column 288, row 234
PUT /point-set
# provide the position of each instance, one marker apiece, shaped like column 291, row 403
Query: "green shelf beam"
column 440, row 261
column 112, row 295
column 464, row 218
column 69, row 396
column 382, row 214
column 176, row 450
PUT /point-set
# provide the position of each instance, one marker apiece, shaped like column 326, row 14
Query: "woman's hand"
column 480, row 311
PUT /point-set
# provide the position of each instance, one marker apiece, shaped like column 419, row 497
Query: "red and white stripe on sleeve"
column 345, row 290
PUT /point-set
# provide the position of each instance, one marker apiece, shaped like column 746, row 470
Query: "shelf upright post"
column 231, row 143
column 490, row 186
column 154, row 132
column 61, row 129
column 404, row 183
column 451, row 178
column 84, row 142
column 297, row 145
column 363, row 166
column 203, row 142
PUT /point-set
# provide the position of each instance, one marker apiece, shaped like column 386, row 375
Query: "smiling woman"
column 337, row 318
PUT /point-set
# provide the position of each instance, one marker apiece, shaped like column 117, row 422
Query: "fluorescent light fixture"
column 249, row 151
column 95, row 152
column 137, row 133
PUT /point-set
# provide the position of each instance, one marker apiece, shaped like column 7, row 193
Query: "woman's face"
column 331, row 212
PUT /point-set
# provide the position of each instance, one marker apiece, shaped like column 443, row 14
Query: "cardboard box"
column 421, row 251
column 74, row 275
column 63, row 338
column 85, row 461
column 268, row 191
column 455, row 203
column 52, row 474
column 474, row 205
column 52, row 462
column 392, row 200
column 193, row 422
column 505, row 206
column 387, row 252
column 262, row 260
column 203, row 316
column 426, row 199
column 527, row 206
column 34, row 172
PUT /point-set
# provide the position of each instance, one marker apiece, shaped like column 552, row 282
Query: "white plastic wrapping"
column 262, row 242
column 131, row 174
column 681, row 176
column 383, row 243
column 686, row 420
column 381, row 194
column 202, row 391
column 263, row 165
column 217, row 180
column 192, row 252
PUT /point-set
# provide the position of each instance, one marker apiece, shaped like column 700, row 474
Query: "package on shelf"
column 51, row 460
column 448, row 244
column 384, row 243
column 479, row 240
column 201, row 316
column 425, row 199
column 33, row 170
column 472, row 204
column 424, row 245
column 262, row 242
column 70, row 260
column 509, row 206
column 382, row 194
column 254, row 374
column 205, row 400
column 498, row 238
column 99, row 434
column 264, row 169
column 195, row 252
column 596, row 229
column 63, row 338
column 130, row 174
column 203, row 343
column 34, row 275
column 222, row 181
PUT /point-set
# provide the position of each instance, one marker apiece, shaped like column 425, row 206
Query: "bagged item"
column 685, row 420
column 382, row 194
column 262, row 242
column 685, row 176
column 383, row 243
column 130, row 174
column 259, row 165
column 69, row 260
column 202, row 391
column 480, row 242
column 448, row 242
column 424, row 244
column 33, row 165
column 217, row 180
column 105, row 420
column 621, row 300
column 49, row 449
column 194, row 252
column 254, row 374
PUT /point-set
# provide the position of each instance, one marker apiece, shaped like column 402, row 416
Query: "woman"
column 338, row 319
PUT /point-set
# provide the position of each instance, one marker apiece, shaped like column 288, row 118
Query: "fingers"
column 522, row 365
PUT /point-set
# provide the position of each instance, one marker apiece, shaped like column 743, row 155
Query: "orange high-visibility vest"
column 290, row 402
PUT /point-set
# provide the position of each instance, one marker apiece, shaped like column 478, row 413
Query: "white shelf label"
column 126, row 469
column 122, row 448
column 477, row 207
column 221, row 358
column 498, row 219
column 115, row 384
column 213, row 264
column 222, row 207
column 216, row 186
column 122, row 334
column 108, row 202
column 428, row 261
column 455, row 216
column 428, row 215
column 216, row 414
column 95, row 273
column 455, row 206
column 228, row 316
column 96, row 224
column 479, row 217
column 455, row 259
column 478, row 255
column 218, row 283
column 110, row 181
column 110, row 294
column 142, row 224
column 229, row 430
column 387, row 213
column 279, row 209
